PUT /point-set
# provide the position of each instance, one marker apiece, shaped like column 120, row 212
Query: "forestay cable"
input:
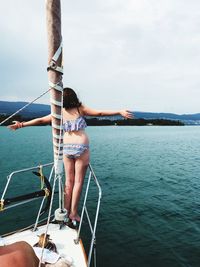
column 25, row 106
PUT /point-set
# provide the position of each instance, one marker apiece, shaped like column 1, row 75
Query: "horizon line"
column 164, row 112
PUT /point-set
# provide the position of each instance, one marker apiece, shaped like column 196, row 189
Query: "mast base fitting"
column 61, row 215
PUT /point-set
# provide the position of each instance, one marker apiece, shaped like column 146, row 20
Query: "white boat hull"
column 62, row 238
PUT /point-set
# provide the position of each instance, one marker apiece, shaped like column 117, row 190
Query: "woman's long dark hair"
column 70, row 99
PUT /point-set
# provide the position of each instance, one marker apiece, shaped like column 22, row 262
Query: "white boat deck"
column 64, row 240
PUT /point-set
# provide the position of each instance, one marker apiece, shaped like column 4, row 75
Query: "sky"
column 141, row 55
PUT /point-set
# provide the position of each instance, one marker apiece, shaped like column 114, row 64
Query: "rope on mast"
column 55, row 71
column 53, row 63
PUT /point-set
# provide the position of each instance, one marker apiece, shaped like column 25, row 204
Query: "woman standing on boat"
column 76, row 153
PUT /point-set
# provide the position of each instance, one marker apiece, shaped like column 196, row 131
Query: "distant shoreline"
column 107, row 122
column 133, row 122
column 40, row 110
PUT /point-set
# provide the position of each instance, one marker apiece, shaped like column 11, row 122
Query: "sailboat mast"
column 55, row 71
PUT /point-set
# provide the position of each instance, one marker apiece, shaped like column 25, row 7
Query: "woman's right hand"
column 15, row 126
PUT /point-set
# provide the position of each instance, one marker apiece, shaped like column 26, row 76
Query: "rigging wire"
column 25, row 106
column 48, row 220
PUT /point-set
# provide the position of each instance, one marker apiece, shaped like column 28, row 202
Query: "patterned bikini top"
column 74, row 125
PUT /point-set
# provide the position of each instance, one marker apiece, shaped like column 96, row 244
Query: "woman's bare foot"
column 75, row 217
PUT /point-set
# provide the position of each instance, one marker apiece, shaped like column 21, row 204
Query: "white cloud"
column 143, row 55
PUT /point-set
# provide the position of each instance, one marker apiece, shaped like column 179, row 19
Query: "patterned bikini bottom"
column 73, row 151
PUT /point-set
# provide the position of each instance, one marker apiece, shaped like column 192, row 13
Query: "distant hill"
column 38, row 110
column 172, row 116
column 34, row 110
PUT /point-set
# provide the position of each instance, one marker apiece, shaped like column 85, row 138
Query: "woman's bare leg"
column 19, row 254
column 81, row 165
column 69, row 165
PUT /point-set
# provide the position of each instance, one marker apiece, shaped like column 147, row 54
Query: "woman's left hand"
column 127, row 114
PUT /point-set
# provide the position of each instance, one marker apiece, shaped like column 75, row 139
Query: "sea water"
column 150, row 210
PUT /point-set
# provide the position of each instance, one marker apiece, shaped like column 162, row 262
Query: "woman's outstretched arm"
column 93, row 112
column 38, row 121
